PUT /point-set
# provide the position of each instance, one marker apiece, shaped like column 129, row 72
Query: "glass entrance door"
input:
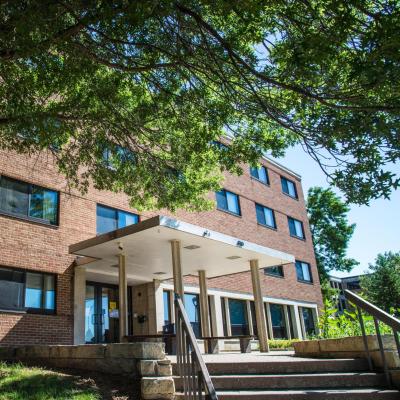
column 101, row 313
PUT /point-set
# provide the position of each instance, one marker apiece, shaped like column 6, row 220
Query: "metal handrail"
column 192, row 369
column 378, row 315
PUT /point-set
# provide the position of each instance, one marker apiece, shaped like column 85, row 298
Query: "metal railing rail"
column 192, row 369
column 378, row 316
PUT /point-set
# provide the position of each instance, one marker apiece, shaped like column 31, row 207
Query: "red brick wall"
column 35, row 246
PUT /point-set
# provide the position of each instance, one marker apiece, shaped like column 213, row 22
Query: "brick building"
column 58, row 285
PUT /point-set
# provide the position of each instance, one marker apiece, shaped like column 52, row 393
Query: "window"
column 109, row 219
column 219, row 145
column 276, row 270
column 260, row 173
column 116, row 155
column 265, row 216
column 238, row 317
column 228, row 201
column 303, row 271
column 296, row 228
column 25, row 200
column 288, row 187
column 167, row 307
column 27, row 291
column 278, row 321
column 192, row 307
column 308, row 318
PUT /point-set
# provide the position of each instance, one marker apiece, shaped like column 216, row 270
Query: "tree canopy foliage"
column 382, row 285
column 164, row 79
column 330, row 231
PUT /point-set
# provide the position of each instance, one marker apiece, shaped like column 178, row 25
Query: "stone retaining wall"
column 353, row 347
column 138, row 360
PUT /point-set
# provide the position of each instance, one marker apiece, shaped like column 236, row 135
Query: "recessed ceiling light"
column 114, row 265
column 233, row 257
column 192, row 247
column 159, row 273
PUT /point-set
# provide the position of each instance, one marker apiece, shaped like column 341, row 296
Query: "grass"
column 18, row 382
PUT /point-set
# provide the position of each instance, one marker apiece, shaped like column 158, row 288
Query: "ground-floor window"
column 238, row 317
column 167, row 307
column 27, row 291
column 309, row 323
column 278, row 321
column 192, row 307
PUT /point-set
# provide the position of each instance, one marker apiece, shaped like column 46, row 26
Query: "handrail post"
column 382, row 350
column 365, row 339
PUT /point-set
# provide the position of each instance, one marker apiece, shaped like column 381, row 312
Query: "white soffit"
column 147, row 248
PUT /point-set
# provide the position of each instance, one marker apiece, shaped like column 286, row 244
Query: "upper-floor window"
column 296, row 228
column 276, row 270
column 27, row 291
column 303, row 271
column 265, row 216
column 26, row 200
column 219, row 145
column 260, row 173
column 289, row 187
column 228, row 201
column 110, row 219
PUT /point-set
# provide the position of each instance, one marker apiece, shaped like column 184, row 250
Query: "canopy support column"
column 123, row 298
column 204, row 306
column 259, row 306
column 177, row 268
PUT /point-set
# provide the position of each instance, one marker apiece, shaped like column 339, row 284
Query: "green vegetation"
column 18, row 382
column 382, row 286
column 282, row 344
column 155, row 83
column 330, row 231
column 333, row 325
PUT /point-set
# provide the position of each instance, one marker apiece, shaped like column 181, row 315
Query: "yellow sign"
column 113, row 305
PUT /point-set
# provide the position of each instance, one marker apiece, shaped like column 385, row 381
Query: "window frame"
column 281, row 276
column 227, row 210
column 267, row 183
column 296, row 196
column 275, row 227
column 117, row 211
column 302, row 228
column 302, row 280
column 33, row 310
column 27, row 217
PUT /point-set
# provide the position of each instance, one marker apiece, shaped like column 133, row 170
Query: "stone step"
column 310, row 394
column 295, row 381
column 285, row 367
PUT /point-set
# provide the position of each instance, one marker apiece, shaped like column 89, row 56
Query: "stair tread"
column 313, row 390
column 312, row 374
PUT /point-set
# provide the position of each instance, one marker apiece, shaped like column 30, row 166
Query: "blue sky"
column 377, row 227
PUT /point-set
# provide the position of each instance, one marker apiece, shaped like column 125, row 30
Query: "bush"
column 282, row 344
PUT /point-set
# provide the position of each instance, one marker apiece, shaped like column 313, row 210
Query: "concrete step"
column 295, row 381
column 293, row 366
column 310, row 394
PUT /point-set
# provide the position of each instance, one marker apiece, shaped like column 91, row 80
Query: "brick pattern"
column 34, row 246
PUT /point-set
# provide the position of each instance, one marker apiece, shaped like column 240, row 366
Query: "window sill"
column 10, row 311
column 292, row 197
column 267, row 226
column 28, row 219
column 274, row 276
column 306, row 282
column 298, row 238
column 229, row 212
column 259, row 180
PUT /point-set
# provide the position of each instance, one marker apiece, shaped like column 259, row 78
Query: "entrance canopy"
column 147, row 250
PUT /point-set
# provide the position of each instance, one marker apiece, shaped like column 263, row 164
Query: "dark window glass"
column 219, row 145
column 238, row 317
column 110, row 219
column 167, row 307
column 260, row 173
column 265, row 216
column 228, row 201
column 21, row 290
column 276, row 270
column 308, row 319
column 291, row 328
column 278, row 321
column 224, row 318
column 192, row 308
column 288, row 187
column 303, row 271
column 253, row 317
column 11, row 289
column 23, row 199
column 296, row 228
